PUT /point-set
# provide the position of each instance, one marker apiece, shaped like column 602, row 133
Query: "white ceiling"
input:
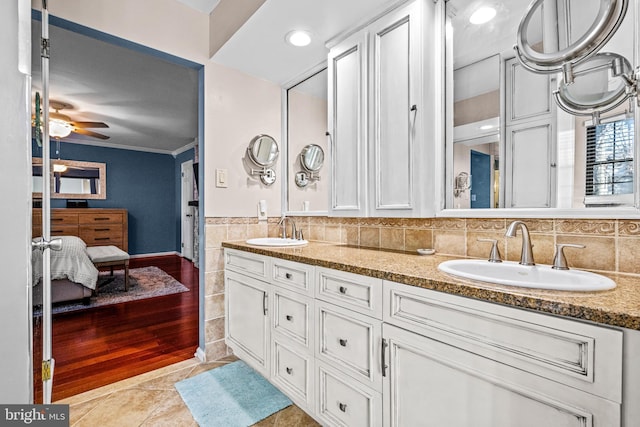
column 204, row 6
column 259, row 49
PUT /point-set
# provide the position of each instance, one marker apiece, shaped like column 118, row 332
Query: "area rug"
column 232, row 395
column 145, row 282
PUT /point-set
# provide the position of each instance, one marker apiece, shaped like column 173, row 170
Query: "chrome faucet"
column 283, row 224
column 526, row 256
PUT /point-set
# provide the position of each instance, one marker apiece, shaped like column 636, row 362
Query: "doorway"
column 187, row 272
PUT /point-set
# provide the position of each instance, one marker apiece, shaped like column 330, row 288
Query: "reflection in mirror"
column 505, row 136
column 72, row 179
column 311, row 161
column 306, row 144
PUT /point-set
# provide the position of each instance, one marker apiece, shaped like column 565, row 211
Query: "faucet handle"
column 494, row 256
column 300, row 235
column 559, row 260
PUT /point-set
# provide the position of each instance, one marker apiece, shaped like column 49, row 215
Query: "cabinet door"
column 433, row 383
column 395, row 52
column 246, row 321
column 347, row 82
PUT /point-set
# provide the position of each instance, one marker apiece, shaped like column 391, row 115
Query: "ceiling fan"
column 61, row 125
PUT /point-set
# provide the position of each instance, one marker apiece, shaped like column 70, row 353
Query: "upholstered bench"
column 110, row 256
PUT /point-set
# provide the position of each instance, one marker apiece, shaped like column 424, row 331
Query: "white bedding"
column 72, row 262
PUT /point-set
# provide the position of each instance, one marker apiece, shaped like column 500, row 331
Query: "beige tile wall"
column 611, row 245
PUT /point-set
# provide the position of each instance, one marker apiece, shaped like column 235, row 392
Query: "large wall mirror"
column 508, row 142
column 72, row 179
column 306, row 189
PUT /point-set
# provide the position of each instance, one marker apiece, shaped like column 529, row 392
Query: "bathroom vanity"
column 361, row 337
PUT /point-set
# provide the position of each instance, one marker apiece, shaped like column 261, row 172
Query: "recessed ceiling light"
column 482, row 15
column 298, row 38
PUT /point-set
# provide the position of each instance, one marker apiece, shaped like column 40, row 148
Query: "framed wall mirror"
column 505, row 132
column 72, row 179
column 305, row 112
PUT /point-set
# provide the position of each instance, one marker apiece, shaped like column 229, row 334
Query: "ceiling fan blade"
column 90, row 133
column 89, row 124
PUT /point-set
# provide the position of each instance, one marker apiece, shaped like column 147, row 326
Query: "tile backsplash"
column 611, row 245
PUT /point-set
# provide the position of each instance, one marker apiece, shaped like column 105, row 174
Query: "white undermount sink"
column 275, row 241
column 538, row 276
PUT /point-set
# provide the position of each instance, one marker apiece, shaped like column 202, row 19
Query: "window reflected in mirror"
column 508, row 144
column 72, row 179
column 307, row 126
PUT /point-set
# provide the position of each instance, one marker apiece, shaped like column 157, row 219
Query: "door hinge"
column 46, row 370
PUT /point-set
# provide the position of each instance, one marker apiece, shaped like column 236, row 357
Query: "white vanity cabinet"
column 354, row 350
column 376, row 115
column 500, row 366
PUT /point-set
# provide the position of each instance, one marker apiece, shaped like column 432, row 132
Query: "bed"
column 73, row 275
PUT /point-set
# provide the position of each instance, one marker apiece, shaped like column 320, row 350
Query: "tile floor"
column 151, row 400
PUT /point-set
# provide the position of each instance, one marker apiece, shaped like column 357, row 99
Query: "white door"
column 247, row 320
column 395, row 54
column 434, row 383
column 187, row 211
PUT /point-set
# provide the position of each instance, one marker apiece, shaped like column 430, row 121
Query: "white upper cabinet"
column 347, row 82
column 377, row 114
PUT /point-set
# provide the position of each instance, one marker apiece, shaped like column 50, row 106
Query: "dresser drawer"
column 343, row 403
column 63, row 230
column 99, row 235
column 351, row 342
column 558, row 349
column 100, row 217
column 293, row 275
column 247, row 263
column 359, row 293
column 292, row 317
column 63, row 218
column 292, row 370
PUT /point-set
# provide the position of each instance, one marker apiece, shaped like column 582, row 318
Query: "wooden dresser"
column 97, row 227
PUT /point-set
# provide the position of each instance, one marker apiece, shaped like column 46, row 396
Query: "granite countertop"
column 617, row 307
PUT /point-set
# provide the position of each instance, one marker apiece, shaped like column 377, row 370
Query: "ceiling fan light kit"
column 61, row 125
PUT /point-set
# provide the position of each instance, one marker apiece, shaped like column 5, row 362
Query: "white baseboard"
column 200, row 355
column 155, row 254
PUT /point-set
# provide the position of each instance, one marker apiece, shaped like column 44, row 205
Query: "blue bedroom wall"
column 141, row 182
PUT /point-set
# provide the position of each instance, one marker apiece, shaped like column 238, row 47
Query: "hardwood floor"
column 100, row 346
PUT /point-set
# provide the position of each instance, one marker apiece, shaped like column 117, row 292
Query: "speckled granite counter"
column 616, row 307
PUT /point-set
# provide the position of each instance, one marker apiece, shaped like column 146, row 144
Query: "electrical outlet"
column 262, row 210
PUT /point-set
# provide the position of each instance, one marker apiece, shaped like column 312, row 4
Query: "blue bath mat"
column 233, row 395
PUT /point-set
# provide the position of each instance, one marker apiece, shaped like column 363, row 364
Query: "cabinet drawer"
column 100, row 218
column 63, row 218
column 99, row 235
column 351, row 342
column 360, row 293
column 293, row 372
column 63, row 230
column 293, row 275
column 293, row 317
column 558, row 349
column 345, row 403
column 247, row 263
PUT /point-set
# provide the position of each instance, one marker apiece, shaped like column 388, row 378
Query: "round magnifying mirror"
column 599, row 84
column 312, row 157
column 573, row 30
column 263, row 150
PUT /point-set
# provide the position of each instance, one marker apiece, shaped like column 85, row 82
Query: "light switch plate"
column 221, row 178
